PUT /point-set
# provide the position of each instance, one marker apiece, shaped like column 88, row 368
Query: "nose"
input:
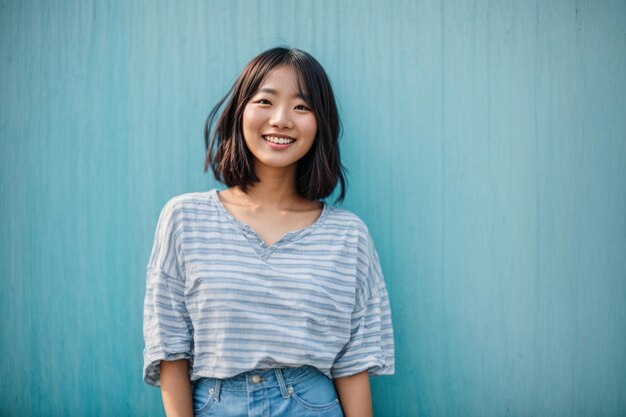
column 281, row 118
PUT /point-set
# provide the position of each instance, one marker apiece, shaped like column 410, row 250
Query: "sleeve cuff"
column 152, row 365
column 374, row 368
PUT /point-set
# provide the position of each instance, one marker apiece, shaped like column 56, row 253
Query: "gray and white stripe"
column 218, row 296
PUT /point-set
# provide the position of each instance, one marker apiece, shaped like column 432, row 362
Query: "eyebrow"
column 272, row 91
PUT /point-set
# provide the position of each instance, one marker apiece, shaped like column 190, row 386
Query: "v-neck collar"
column 253, row 237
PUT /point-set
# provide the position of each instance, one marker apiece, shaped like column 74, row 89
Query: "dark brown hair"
column 320, row 169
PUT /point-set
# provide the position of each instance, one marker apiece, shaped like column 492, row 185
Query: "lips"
column 278, row 141
column 278, row 135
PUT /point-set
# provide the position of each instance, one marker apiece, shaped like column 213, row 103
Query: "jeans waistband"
column 259, row 379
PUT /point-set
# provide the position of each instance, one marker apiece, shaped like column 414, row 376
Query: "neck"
column 276, row 190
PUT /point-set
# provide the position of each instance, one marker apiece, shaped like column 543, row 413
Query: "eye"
column 261, row 101
column 303, row 107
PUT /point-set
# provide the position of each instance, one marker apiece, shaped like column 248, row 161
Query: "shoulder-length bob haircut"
column 319, row 171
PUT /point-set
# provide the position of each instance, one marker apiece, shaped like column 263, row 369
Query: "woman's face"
column 278, row 126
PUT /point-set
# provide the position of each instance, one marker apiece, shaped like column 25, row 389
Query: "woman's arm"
column 176, row 388
column 354, row 394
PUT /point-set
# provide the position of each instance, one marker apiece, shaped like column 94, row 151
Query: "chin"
column 274, row 162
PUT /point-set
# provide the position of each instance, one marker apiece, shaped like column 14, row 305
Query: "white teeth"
column 282, row 141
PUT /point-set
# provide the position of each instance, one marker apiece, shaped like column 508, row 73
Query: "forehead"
column 282, row 80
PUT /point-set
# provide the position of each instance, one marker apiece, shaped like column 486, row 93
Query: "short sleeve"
column 371, row 344
column 167, row 328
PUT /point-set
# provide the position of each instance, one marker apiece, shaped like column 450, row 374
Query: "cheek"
column 311, row 126
column 251, row 120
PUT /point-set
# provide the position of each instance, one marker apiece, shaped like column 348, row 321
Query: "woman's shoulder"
column 345, row 218
column 191, row 197
column 190, row 202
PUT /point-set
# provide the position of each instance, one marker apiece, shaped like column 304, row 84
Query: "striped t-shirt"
column 218, row 296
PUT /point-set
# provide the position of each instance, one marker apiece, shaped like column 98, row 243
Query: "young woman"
column 262, row 299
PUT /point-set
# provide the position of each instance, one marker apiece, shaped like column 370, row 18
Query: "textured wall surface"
column 486, row 143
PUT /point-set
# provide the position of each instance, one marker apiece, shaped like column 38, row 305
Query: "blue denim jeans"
column 302, row 392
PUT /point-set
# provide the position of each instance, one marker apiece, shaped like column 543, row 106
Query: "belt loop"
column 217, row 389
column 281, row 383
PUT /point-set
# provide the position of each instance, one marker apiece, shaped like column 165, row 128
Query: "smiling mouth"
column 277, row 140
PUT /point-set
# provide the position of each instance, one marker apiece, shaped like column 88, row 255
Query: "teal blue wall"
column 486, row 143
